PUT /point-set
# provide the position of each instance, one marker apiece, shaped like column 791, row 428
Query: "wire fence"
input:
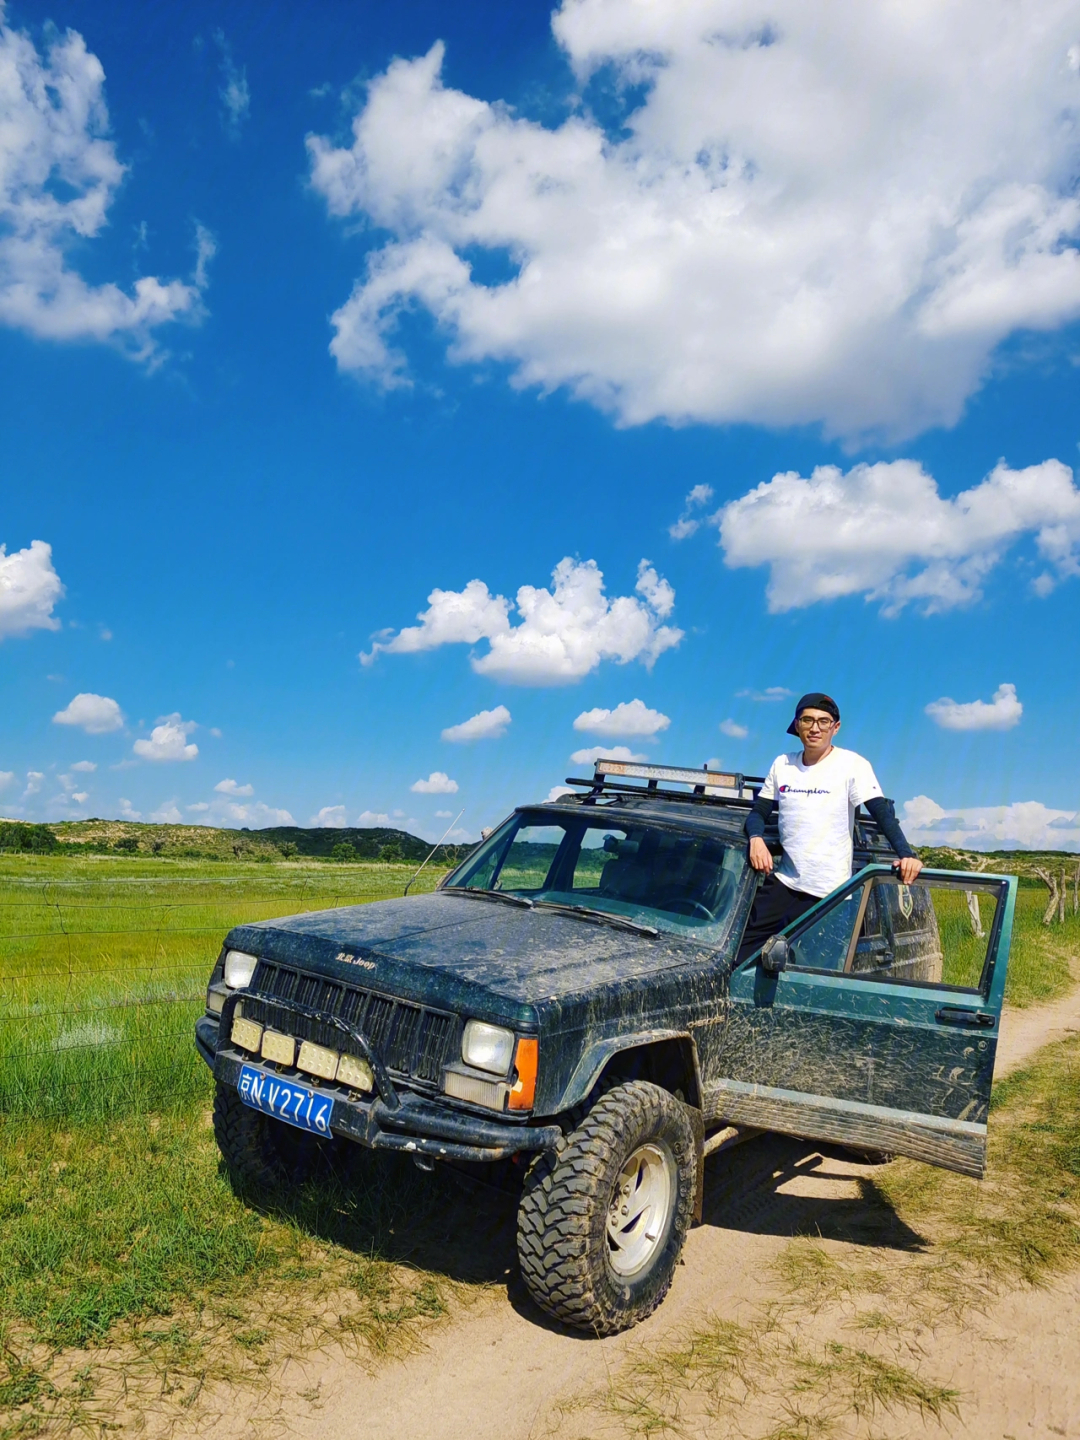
column 102, row 977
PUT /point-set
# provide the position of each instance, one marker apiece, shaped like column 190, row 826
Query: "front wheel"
column 261, row 1153
column 602, row 1221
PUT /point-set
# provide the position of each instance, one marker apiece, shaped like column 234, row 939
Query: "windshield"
column 676, row 881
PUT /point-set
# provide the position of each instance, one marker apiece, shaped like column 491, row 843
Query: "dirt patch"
column 1025, row 1031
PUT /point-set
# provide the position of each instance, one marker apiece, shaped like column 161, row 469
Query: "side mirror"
column 775, row 954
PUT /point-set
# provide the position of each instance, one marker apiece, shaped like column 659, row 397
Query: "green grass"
column 125, row 1241
column 1039, row 965
column 104, row 964
column 117, row 1225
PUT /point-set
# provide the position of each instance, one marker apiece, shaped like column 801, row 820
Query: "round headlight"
column 239, row 968
column 487, row 1047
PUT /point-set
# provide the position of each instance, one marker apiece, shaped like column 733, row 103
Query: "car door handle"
column 958, row 1015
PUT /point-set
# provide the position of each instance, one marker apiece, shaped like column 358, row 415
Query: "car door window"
column 825, row 942
column 934, row 932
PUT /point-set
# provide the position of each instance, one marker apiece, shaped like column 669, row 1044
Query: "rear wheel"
column 262, row 1153
column 602, row 1220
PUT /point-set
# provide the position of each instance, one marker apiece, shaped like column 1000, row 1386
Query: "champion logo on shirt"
column 802, row 790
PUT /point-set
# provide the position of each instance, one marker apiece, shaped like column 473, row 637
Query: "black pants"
column 775, row 906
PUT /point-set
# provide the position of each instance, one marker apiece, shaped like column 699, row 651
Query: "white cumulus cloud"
column 330, row 817
column 883, row 531
column 564, row 632
column 804, row 213
column 168, row 741
column 7, row 778
column 29, row 586
column 1002, row 712
column 373, row 819
column 128, row 811
column 88, row 766
column 734, row 729
column 593, row 753
column 631, row 717
column 1023, row 825
column 167, row 813
column 96, row 714
column 231, row 787
column 58, row 177
column 437, row 783
column 555, row 793
column 487, row 725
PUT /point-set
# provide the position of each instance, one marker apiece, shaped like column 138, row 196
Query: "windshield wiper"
column 604, row 917
column 478, row 893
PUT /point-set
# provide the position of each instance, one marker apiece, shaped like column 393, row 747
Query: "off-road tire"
column 261, row 1153
column 562, row 1239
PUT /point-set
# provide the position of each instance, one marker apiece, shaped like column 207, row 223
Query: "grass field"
column 104, row 964
column 113, row 1208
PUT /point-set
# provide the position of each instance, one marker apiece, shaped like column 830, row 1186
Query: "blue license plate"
column 295, row 1104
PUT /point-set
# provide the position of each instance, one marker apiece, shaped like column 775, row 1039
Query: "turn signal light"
column 526, row 1062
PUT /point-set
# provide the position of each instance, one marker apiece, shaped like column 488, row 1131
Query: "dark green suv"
column 568, row 1008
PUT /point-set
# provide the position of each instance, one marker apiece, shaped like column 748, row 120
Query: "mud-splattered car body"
column 862, row 1036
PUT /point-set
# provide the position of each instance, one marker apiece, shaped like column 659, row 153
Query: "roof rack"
column 723, row 786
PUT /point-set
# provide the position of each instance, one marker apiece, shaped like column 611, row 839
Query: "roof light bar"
column 680, row 775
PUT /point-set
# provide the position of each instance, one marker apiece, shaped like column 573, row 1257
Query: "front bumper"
column 406, row 1121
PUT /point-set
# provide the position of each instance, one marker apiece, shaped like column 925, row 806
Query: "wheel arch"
column 667, row 1058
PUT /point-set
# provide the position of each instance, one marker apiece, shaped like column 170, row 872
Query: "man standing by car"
column 817, row 792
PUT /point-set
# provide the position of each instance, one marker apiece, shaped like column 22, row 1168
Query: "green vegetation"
column 26, row 839
column 204, row 842
column 1039, row 965
column 113, row 1206
column 104, row 964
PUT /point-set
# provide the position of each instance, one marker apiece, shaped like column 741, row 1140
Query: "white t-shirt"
column 817, row 810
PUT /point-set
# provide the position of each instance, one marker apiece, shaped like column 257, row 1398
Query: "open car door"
column 881, row 1030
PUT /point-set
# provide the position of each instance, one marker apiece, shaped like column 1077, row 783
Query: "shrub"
column 343, row 850
column 39, row 839
column 127, row 844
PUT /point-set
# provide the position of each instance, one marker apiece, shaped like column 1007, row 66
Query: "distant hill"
column 280, row 842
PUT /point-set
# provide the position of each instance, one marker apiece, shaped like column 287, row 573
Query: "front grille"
column 412, row 1041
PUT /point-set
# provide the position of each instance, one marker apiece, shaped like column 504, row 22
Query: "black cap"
column 814, row 701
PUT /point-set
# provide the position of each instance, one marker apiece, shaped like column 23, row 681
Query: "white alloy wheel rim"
column 640, row 1208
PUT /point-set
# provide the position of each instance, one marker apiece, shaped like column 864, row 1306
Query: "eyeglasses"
column 805, row 722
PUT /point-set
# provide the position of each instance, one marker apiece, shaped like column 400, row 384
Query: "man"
column 817, row 792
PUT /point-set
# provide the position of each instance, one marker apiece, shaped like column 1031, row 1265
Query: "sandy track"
column 495, row 1373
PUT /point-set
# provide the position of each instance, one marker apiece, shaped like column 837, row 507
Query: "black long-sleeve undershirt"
column 881, row 811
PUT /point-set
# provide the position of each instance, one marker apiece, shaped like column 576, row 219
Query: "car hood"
column 442, row 949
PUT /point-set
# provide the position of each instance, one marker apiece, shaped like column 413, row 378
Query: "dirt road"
column 497, row 1372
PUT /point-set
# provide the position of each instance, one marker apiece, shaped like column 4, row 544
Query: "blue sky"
column 270, row 380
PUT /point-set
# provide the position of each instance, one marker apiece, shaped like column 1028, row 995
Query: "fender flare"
column 600, row 1052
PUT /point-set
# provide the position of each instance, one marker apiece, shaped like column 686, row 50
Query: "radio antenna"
column 445, row 833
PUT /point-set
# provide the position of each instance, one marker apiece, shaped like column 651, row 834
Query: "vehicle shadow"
column 777, row 1185
column 384, row 1207
column 381, row 1206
